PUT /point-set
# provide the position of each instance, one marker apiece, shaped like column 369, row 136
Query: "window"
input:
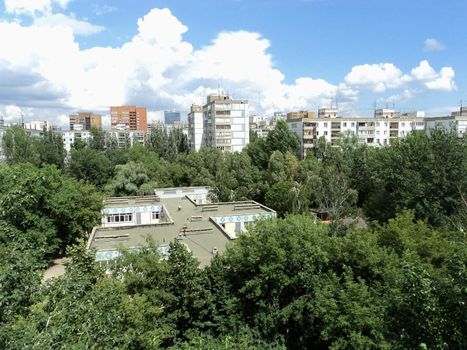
column 345, row 124
column 119, row 218
column 325, row 133
column 325, row 124
column 156, row 215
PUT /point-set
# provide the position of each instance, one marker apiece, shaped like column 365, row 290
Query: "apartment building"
column 85, row 121
column 457, row 121
column 225, row 123
column 195, row 127
column 129, row 118
column 386, row 126
column 262, row 125
column 123, row 138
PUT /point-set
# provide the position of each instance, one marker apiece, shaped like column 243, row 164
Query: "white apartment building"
column 123, row 137
column 386, row 126
column 39, row 125
column 195, row 127
column 225, row 123
column 262, row 125
column 457, row 122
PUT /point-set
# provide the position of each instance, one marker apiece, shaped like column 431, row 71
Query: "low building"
column 183, row 214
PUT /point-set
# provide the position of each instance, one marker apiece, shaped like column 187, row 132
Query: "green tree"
column 131, row 179
column 282, row 139
column 89, row 165
column 18, row 146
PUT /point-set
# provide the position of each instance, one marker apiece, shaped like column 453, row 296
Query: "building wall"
column 85, row 121
column 226, row 123
column 371, row 131
column 128, row 118
column 195, row 127
column 130, row 215
column 123, row 138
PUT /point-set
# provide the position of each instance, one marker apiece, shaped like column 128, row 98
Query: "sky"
column 63, row 56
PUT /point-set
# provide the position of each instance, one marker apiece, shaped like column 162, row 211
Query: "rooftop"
column 199, row 226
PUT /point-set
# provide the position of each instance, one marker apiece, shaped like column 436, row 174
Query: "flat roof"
column 199, row 223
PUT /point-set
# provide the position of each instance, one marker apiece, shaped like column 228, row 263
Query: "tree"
column 282, row 139
column 98, row 139
column 43, row 201
column 89, row 165
column 130, row 179
column 50, row 149
column 18, row 146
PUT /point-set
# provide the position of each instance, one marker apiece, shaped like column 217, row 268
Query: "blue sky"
column 282, row 55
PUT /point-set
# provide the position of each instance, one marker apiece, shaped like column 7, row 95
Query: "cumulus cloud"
column 383, row 76
column 32, row 7
column 159, row 69
column 377, row 77
column 63, row 21
column 442, row 81
column 432, row 44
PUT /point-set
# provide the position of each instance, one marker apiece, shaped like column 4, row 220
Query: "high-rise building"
column 128, row 118
column 171, row 117
column 195, row 127
column 225, row 123
column 85, row 121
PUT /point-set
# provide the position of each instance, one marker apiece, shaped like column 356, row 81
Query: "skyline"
column 65, row 56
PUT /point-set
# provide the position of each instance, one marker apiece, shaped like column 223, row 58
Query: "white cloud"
column 424, row 71
column 432, row 44
column 157, row 68
column 64, row 21
column 100, row 10
column 405, row 95
column 442, row 81
column 377, row 77
column 32, row 7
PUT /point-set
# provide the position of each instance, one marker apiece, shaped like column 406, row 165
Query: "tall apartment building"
column 85, row 121
column 171, row 117
column 195, row 127
column 376, row 131
column 225, row 123
column 129, row 118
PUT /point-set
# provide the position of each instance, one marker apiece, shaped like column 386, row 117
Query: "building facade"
column 225, row 123
column 85, row 121
column 381, row 130
column 457, row 122
column 123, row 138
column 195, row 127
column 184, row 214
column 129, row 118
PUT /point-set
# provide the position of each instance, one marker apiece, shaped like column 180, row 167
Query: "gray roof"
column 193, row 224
